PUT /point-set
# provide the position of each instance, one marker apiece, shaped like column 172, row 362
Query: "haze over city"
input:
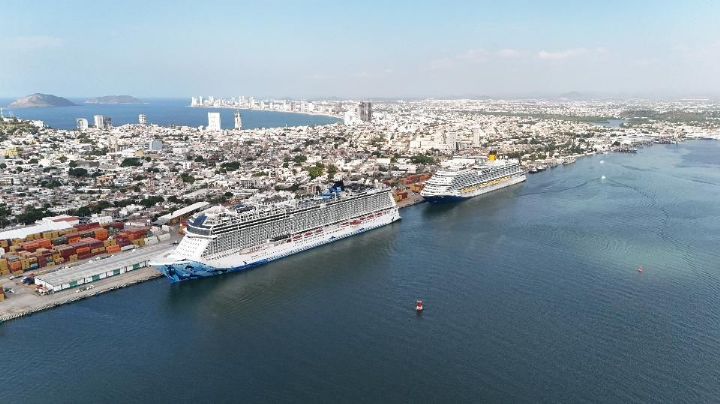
column 360, row 49
column 404, row 201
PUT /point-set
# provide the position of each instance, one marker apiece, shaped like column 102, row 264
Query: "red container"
column 122, row 242
column 101, row 234
column 86, row 226
column 117, row 225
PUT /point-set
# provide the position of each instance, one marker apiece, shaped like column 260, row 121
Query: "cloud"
column 569, row 53
column 441, row 64
column 474, row 55
column 29, row 43
column 509, row 53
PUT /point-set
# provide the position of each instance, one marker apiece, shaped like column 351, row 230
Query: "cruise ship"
column 221, row 240
column 464, row 178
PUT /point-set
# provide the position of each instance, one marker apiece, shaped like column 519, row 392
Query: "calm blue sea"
column 531, row 295
column 163, row 112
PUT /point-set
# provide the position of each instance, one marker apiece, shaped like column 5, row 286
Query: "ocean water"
column 164, row 112
column 531, row 294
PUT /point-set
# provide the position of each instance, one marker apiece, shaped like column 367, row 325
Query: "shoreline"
column 73, row 295
column 268, row 110
column 30, row 303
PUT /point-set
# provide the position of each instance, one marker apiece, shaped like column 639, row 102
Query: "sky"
column 311, row 49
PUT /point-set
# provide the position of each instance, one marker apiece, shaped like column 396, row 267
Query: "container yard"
column 38, row 248
column 60, row 260
column 70, row 284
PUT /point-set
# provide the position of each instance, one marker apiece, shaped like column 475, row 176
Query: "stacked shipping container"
column 57, row 247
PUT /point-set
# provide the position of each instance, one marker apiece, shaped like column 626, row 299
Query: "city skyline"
column 361, row 50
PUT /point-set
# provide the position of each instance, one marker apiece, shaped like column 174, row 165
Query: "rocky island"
column 38, row 100
column 114, row 99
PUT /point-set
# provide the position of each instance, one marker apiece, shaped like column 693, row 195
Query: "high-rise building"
column 365, row 111
column 81, row 123
column 102, row 122
column 238, row 120
column 155, row 145
column 478, row 135
column 214, row 121
column 351, row 118
column 142, row 119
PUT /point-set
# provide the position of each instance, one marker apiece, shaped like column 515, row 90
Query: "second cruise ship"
column 464, row 178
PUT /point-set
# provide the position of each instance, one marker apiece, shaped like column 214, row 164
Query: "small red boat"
column 419, row 306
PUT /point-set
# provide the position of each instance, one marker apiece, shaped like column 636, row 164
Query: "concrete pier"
column 25, row 302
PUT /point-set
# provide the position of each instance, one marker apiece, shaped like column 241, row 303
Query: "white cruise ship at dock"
column 220, row 240
column 465, row 178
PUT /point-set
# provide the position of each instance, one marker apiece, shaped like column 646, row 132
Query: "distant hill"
column 114, row 99
column 38, row 100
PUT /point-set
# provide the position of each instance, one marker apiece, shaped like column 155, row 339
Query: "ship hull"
column 189, row 269
column 451, row 198
column 439, row 199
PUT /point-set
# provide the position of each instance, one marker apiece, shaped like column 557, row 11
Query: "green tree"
column 331, row 170
column 4, row 215
column 78, row 172
column 316, row 171
column 84, row 211
column 422, row 159
column 152, row 201
column 31, row 215
column 131, row 162
column 230, row 165
column 187, row 178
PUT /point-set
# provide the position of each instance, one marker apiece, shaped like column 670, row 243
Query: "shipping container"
column 101, row 234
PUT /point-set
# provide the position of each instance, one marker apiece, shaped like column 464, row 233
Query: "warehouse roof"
column 182, row 211
column 54, row 223
column 118, row 261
